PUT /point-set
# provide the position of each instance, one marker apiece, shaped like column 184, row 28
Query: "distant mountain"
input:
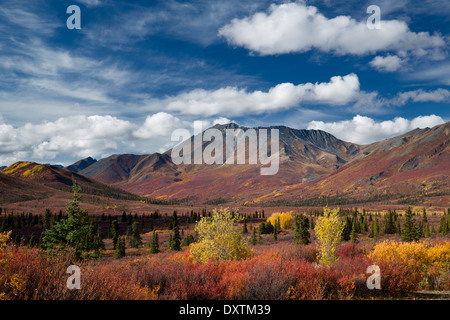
column 45, row 179
column 315, row 169
column 410, row 168
column 81, row 164
column 304, row 155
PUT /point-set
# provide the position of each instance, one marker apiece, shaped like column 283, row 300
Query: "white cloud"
column 388, row 63
column 80, row 136
column 294, row 27
column 363, row 130
column 420, row 95
column 233, row 101
column 221, row 120
column 159, row 124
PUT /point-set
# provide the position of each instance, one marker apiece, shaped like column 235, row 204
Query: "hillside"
column 46, row 179
column 13, row 189
column 410, row 167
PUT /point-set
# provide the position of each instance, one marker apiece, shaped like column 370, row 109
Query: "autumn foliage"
column 284, row 219
column 221, row 265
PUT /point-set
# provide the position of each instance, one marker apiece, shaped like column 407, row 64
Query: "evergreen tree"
column 120, row 248
column 301, row 233
column 187, row 240
column 409, row 230
column 266, row 228
column 154, row 246
column 347, row 229
column 389, row 223
column 364, row 226
column 433, row 230
column 69, row 232
column 443, row 226
column 175, row 243
column 136, row 239
column 32, row 241
column 372, row 231
column 46, row 220
column 114, row 232
column 424, row 216
column 244, row 227
column 427, row 230
column 174, row 220
column 353, row 234
column 419, row 230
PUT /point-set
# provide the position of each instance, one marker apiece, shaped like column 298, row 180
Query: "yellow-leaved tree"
column 218, row 240
column 284, row 219
column 328, row 232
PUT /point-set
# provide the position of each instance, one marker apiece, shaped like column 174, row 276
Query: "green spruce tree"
column 154, row 246
column 409, row 230
column 301, row 233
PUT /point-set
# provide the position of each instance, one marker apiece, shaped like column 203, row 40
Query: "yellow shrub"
column 421, row 253
column 4, row 237
column 284, row 218
column 217, row 239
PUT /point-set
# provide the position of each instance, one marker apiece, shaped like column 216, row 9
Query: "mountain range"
column 315, row 169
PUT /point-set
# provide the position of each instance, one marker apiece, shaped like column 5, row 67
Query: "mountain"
column 315, row 169
column 81, row 164
column 13, row 189
column 47, row 179
column 409, row 168
column 304, row 155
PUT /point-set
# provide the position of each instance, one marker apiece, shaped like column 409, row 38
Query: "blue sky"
column 138, row 70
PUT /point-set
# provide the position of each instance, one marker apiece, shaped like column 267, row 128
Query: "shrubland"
column 221, row 264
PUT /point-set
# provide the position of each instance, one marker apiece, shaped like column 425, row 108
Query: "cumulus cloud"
column 295, row 27
column 388, row 63
column 80, row 136
column 159, row 124
column 233, row 101
column 420, row 95
column 363, row 130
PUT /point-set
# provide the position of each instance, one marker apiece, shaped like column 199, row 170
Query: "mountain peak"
column 81, row 164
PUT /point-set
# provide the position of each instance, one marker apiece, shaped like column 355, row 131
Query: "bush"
column 409, row 266
column 285, row 220
column 217, row 239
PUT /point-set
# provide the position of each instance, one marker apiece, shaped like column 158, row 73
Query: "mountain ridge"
column 314, row 164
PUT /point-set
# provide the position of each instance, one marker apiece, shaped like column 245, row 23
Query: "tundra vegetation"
column 211, row 255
